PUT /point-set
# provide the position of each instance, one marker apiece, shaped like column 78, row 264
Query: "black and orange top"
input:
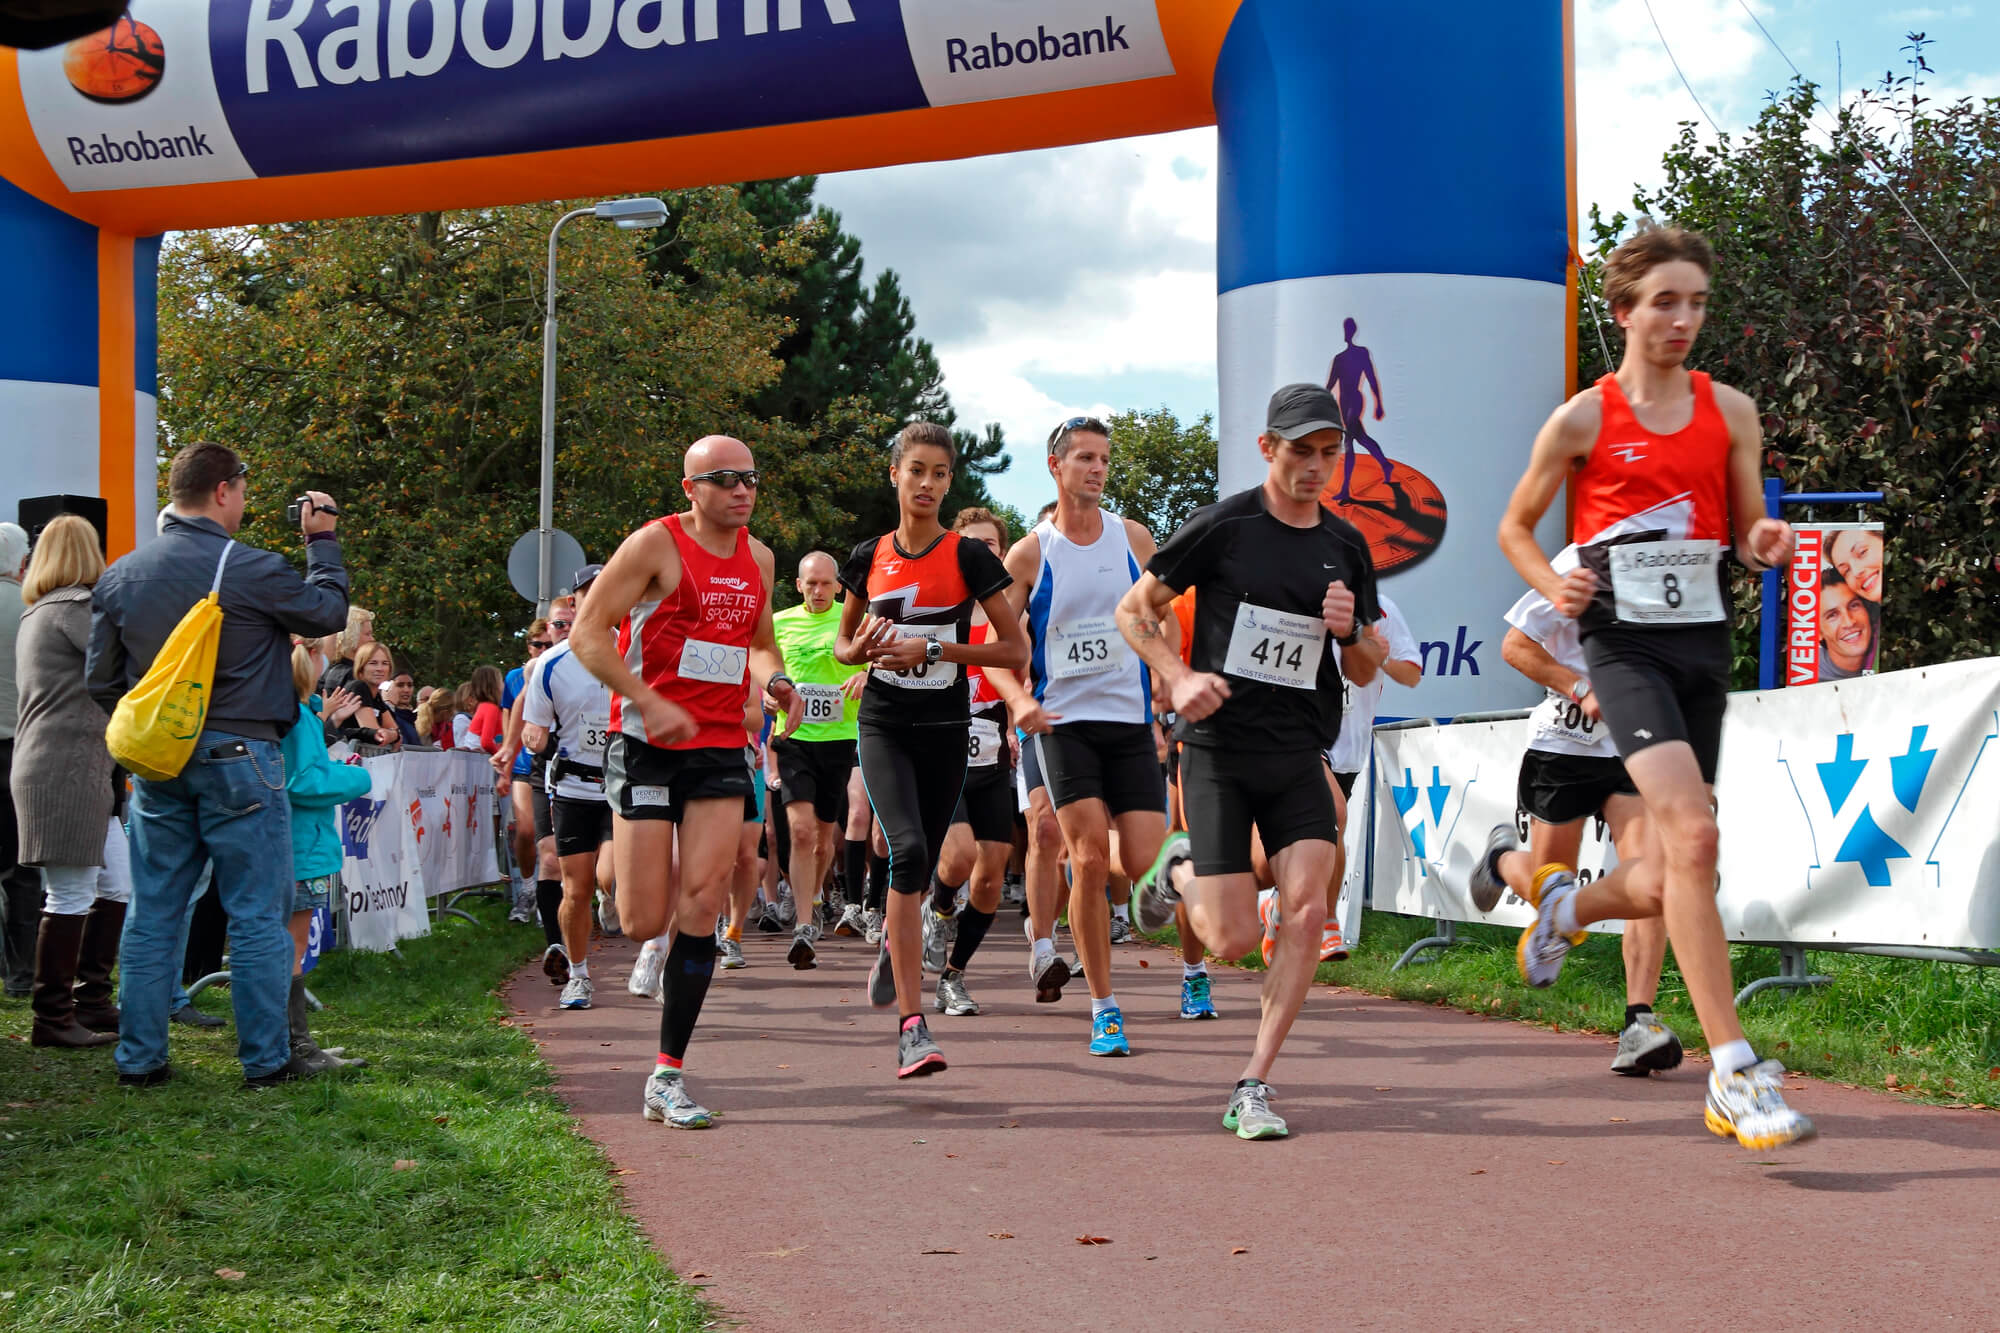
column 1633, row 471
column 694, row 647
column 930, row 594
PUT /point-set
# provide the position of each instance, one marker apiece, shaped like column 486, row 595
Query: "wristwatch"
column 933, row 651
column 1352, row 637
column 772, row 683
column 1580, row 690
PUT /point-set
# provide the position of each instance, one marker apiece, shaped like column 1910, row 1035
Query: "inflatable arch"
column 1395, row 196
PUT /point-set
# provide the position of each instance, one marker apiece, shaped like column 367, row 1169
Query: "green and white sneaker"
column 1153, row 897
column 1249, row 1112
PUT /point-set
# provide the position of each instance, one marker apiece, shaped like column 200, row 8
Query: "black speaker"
column 38, row 511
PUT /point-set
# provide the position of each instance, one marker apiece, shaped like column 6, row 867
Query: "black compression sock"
column 854, row 877
column 548, row 906
column 878, row 882
column 972, row 927
column 944, row 897
column 690, row 967
column 1632, row 1012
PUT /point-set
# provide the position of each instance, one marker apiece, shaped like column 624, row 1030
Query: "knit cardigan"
column 62, row 778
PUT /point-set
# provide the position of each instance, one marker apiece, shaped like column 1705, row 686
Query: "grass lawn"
column 1930, row 1031
column 442, row 1187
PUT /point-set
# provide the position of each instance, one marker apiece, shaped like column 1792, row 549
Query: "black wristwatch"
column 933, row 651
column 1352, row 637
column 772, row 683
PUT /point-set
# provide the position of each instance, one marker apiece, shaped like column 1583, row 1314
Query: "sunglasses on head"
column 729, row 478
column 1091, row 424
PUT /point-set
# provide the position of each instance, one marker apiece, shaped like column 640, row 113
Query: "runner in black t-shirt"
column 1285, row 589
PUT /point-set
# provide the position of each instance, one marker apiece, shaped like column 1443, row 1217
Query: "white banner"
column 1859, row 812
column 379, row 904
column 424, row 829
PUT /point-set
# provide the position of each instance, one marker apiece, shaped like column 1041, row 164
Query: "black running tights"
column 913, row 776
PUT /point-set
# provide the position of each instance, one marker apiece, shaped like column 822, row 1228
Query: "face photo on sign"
column 1849, row 629
column 1857, row 554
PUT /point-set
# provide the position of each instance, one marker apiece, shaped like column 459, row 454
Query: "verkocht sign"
column 1833, row 603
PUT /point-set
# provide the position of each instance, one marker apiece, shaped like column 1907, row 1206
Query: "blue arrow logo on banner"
column 1838, row 775
column 1867, row 846
column 1406, row 795
column 1910, row 770
column 1440, row 792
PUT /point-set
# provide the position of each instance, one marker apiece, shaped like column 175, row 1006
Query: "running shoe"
column 1748, row 1107
column 1267, row 912
column 607, row 914
column 555, row 964
column 872, row 924
column 667, row 1100
column 523, row 896
column 940, row 933
column 1646, row 1044
column 648, row 972
column 721, row 929
column 850, row 923
column 1486, row 886
column 1543, row 948
column 916, row 1053
column 576, row 995
column 787, row 910
column 1332, row 948
column 767, row 919
column 1153, row 896
column 882, row 980
column 1107, row 1034
column 732, row 954
column 1121, row 929
column 802, row 955
column 1050, row 972
column 1195, row 999
column 952, row 996
column 1249, row 1112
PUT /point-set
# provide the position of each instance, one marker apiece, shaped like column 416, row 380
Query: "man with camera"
column 228, row 805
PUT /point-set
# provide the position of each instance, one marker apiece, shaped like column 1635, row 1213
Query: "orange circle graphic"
column 1403, row 519
column 120, row 64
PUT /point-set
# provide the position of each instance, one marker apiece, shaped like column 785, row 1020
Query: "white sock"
column 1122, row 911
column 1098, row 1006
column 1732, row 1056
column 580, row 967
column 1193, row 970
column 1566, row 914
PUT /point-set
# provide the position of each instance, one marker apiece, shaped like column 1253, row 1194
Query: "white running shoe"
column 732, row 955
column 648, row 972
column 1748, row 1107
column 1542, row 948
column 667, row 1100
column 872, row 920
column 576, row 994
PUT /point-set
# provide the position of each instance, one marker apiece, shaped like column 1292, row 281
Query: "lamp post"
column 627, row 215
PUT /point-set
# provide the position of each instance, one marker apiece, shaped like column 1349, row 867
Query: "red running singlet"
column 984, row 696
column 694, row 647
column 1632, row 470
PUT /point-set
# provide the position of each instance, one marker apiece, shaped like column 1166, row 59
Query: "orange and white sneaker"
column 1747, row 1106
column 1267, row 912
column 1332, row 948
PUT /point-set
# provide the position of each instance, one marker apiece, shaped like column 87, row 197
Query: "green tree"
column 395, row 362
column 1835, row 306
column 1161, row 471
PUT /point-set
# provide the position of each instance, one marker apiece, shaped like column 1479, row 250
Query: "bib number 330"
column 1667, row 583
column 1275, row 648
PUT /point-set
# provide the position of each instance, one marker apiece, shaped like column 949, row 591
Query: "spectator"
column 401, row 696
column 20, row 887
column 314, row 785
column 68, row 795
column 222, row 806
column 340, row 649
column 372, row 723
column 480, row 699
column 424, row 694
column 434, row 719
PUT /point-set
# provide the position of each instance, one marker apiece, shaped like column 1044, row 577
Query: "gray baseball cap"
column 583, row 576
column 1297, row 410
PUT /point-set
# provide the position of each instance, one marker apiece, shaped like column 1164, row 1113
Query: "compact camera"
column 296, row 510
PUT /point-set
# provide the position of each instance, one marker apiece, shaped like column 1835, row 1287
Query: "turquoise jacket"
column 315, row 785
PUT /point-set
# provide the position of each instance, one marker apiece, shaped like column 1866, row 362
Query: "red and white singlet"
column 1633, row 471
column 694, row 647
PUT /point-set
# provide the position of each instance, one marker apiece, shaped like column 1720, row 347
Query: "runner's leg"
column 1302, row 869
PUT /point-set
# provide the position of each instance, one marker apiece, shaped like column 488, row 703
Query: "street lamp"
column 626, row 215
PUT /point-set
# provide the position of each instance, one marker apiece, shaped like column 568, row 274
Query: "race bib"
column 924, row 675
column 983, row 743
column 1085, row 647
column 1275, row 648
column 820, row 703
column 1666, row 582
column 1560, row 725
column 716, row 663
column 596, row 734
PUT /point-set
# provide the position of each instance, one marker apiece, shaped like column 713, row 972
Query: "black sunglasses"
column 560, row 624
column 729, row 478
column 1091, row 424
column 538, row 643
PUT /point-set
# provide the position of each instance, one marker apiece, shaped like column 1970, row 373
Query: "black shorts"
column 1114, row 762
column 1658, row 685
column 1563, row 788
column 816, row 771
column 1031, row 763
column 1225, row 792
column 987, row 803
column 646, row 782
column 538, row 801
column 1345, row 781
column 581, row 826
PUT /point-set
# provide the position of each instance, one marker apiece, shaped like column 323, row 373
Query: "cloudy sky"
column 1083, row 279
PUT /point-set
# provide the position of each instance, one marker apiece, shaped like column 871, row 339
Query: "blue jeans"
column 228, row 805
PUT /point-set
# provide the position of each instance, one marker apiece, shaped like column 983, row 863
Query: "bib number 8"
column 1671, row 590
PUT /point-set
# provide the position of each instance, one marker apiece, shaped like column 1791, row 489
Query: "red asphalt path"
column 1443, row 1170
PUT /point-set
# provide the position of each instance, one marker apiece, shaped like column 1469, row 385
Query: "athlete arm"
column 1406, row 674
column 536, row 737
column 1762, row 542
column 1146, row 604
column 1007, row 649
column 851, row 645
column 1520, row 651
column 645, row 560
column 1024, row 561
column 510, row 743
column 1565, row 440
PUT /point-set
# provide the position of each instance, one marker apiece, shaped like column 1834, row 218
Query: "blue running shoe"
column 1107, row 1034
column 1195, row 1002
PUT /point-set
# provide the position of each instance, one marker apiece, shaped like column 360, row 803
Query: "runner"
column 690, row 598
column 514, row 766
column 566, row 714
column 982, row 827
column 548, row 866
column 1664, row 468
column 749, row 869
column 816, row 760
column 1277, row 576
column 1197, row 996
column 1091, row 716
column 909, row 615
column 1571, row 773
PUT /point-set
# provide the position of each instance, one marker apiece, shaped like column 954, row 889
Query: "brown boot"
column 103, row 927
column 56, row 950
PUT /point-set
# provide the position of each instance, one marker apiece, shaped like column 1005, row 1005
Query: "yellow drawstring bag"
column 154, row 728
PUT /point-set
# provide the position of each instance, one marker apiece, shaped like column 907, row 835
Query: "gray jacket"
column 63, row 775
column 143, row 596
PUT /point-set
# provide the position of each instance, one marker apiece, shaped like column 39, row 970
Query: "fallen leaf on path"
column 937, row 1251
column 1993, row 1072
column 1480, row 1171
column 920, row 1140
column 621, row 1171
column 1010, row 1124
column 603, row 1043
column 1144, row 963
column 1093, row 1240
column 1385, row 1089
column 784, row 1066
column 1620, row 1120
column 19, row 1106
column 1891, row 1081
column 231, row 1274
column 405, row 1164
column 617, row 1069
column 1556, row 1161
column 1241, row 1249
column 440, row 1120
column 1000, row 1235
column 951, row 1154
column 694, row 1275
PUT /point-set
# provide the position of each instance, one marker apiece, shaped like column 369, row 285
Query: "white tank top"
column 1083, row 669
